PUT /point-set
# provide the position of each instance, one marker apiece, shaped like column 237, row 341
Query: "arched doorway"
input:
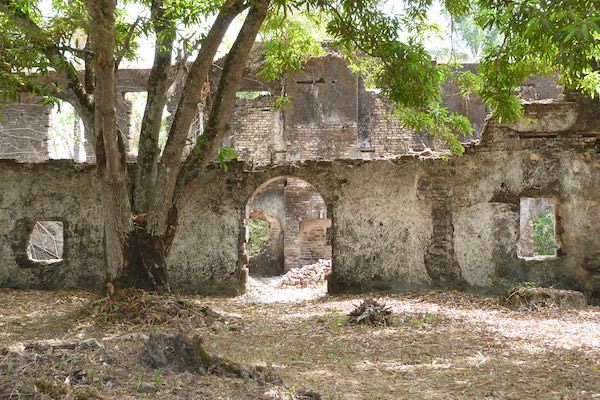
column 286, row 228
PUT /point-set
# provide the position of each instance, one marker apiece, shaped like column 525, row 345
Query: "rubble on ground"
column 136, row 306
column 307, row 275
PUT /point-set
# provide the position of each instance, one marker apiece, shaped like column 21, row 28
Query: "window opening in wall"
column 66, row 134
column 537, row 228
column 287, row 237
column 46, row 242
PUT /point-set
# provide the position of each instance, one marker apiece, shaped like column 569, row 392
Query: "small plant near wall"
column 259, row 236
column 544, row 243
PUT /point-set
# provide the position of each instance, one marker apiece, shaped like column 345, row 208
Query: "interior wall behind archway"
column 301, row 213
column 270, row 203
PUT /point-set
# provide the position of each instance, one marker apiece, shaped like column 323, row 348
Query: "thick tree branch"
column 208, row 144
column 89, row 77
column 168, row 168
column 158, row 86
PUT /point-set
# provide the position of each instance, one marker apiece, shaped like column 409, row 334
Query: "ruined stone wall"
column 302, row 203
column 53, row 191
column 24, row 131
column 387, row 134
column 399, row 224
column 256, row 128
column 331, row 116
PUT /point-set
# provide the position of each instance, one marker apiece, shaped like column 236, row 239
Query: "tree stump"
column 177, row 352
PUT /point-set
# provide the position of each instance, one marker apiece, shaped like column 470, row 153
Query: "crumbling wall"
column 380, row 229
column 24, row 130
column 205, row 253
column 322, row 122
column 256, row 134
column 388, row 136
column 554, row 154
column 53, row 191
column 332, row 115
column 400, row 224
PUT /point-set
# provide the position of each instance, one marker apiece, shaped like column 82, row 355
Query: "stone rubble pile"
column 307, row 276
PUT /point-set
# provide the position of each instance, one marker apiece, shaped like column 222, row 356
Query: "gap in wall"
column 286, row 234
column 46, row 242
column 537, row 239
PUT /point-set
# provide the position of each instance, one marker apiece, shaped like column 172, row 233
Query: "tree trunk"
column 110, row 157
column 147, row 256
column 208, row 144
column 158, row 85
column 161, row 199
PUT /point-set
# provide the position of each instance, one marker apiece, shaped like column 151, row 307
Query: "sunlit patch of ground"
column 267, row 290
column 444, row 345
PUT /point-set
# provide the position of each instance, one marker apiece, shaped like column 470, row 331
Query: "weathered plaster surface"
column 396, row 224
column 55, row 190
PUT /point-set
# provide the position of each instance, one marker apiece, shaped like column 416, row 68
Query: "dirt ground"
column 443, row 345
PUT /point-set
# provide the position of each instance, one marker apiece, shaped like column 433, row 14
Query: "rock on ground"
column 520, row 298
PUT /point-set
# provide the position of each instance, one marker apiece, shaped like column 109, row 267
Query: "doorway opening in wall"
column 537, row 239
column 46, row 242
column 286, row 247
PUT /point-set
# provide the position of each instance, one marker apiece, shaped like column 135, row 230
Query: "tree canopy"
column 535, row 36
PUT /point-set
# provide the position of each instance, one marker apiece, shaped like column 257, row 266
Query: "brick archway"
column 298, row 223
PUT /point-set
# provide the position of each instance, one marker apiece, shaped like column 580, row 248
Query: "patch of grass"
column 335, row 321
column 422, row 320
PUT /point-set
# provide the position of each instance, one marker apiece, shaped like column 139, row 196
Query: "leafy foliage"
column 401, row 68
column 289, row 41
column 259, row 236
column 387, row 50
column 544, row 242
column 470, row 36
column 225, row 155
column 540, row 36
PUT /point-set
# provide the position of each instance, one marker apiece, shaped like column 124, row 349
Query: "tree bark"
column 161, row 199
column 208, row 144
column 110, row 164
column 158, row 85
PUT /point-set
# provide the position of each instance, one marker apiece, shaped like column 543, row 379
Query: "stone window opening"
column 46, row 242
column 537, row 233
